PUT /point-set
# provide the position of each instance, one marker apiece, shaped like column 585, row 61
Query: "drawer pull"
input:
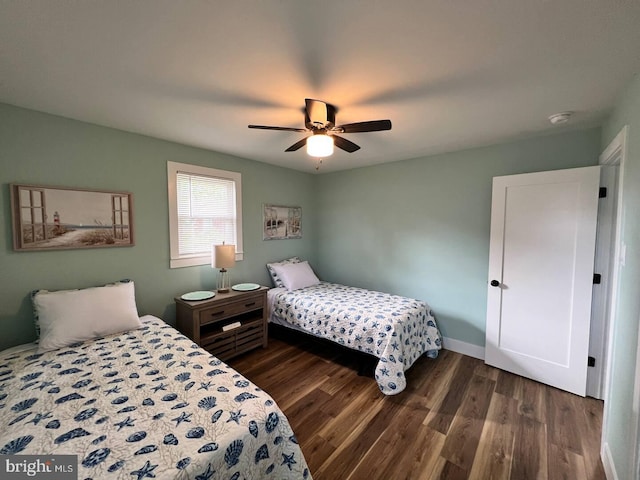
column 221, row 312
column 249, row 304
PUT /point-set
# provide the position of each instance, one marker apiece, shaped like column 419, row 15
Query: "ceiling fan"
column 320, row 120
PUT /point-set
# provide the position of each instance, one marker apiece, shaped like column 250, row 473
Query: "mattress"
column 147, row 403
column 397, row 330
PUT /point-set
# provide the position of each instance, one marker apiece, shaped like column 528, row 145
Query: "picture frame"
column 281, row 222
column 61, row 218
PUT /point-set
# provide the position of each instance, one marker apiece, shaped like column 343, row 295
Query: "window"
column 205, row 209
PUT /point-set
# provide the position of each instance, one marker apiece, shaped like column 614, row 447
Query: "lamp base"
column 224, row 282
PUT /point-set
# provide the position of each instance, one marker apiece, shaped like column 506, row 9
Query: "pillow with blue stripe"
column 277, row 281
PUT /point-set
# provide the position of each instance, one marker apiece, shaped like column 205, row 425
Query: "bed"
column 143, row 403
column 397, row 330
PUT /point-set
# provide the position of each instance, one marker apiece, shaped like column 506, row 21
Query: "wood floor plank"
column 346, row 458
column 302, row 387
column 464, row 435
column 590, row 432
column 343, row 376
column 441, row 418
column 391, row 466
column 488, row 371
column 451, row 471
column 532, row 400
column 530, row 450
column 274, row 376
column 507, row 384
column 316, row 451
column 437, row 384
column 563, row 421
column 357, row 398
column 495, row 449
column 436, row 473
column 263, row 359
column 565, row 465
column 426, row 454
column 427, row 388
column 307, row 406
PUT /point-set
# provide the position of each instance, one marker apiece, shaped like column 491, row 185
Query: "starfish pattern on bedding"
column 145, row 471
column 288, row 460
column 39, row 417
column 184, row 417
column 236, row 416
column 127, row 422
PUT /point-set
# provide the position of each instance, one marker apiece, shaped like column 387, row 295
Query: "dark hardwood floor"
column 457, row 419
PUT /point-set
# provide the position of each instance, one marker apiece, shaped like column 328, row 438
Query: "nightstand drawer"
column 220, row 312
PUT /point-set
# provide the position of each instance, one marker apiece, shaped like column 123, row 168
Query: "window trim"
column 175, row 259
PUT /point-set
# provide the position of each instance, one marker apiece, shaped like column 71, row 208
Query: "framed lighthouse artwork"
column 53, row 218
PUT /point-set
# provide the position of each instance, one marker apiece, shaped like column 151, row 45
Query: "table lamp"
column 223, row 257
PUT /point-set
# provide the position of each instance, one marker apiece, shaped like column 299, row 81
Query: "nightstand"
column 203, row 321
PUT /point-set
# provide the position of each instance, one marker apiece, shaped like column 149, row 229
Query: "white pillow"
column 274, row 276
column 71, row 316
column 296, row 275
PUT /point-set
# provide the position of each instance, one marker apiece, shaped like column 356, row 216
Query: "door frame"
column 603, row 265
column 615, row 155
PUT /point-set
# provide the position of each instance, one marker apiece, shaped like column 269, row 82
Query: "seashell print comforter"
column 397, row 330
column 147, row 403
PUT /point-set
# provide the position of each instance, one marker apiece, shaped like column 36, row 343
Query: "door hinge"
column 602, row 193
column 591, row 361
column 597, row 278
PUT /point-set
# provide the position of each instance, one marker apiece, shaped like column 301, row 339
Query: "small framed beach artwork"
column 54, row 218
column 281, row 222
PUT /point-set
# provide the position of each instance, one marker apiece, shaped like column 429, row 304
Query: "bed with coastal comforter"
column 145, row 403
column 397, row 330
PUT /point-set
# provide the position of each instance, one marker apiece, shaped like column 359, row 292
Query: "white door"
column 543, row 234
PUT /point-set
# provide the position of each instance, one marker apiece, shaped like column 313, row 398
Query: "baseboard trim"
column 607, row 463
column 465, row 348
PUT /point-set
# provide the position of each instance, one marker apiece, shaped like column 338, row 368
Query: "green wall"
column 420, row 228
column 619, row 404
column 43, row 149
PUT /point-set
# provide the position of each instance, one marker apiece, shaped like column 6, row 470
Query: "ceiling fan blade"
column 344, row 144
column 287, row 129
column 371, row 126
column 297, row 145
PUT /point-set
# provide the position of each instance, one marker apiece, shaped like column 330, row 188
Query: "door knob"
column 495, row 283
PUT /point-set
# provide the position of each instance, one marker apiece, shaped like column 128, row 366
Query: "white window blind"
column 204, row 210
column 206, row 213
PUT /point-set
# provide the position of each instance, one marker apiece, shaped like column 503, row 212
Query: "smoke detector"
column 560, row 118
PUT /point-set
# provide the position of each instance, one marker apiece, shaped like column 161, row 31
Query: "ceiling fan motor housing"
column 319, row 114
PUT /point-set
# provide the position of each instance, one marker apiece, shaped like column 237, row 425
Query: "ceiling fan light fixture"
column 319, row 145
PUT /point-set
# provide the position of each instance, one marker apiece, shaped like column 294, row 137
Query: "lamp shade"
column 319, row 145
column 223, row 256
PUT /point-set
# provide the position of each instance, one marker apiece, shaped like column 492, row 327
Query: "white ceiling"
column 450, row 74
